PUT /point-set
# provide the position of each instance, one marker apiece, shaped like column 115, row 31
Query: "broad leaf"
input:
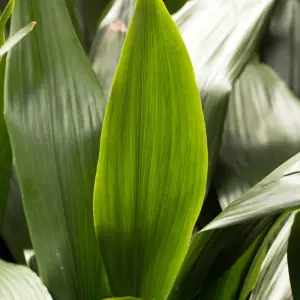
column 19, row 282
column 220, row 37
column 152, row 167
column 219, row 48
column 280, row 47
column 278, row 192
column 273, row 282
column 293, row 257
column 54, row 113
column 260, row 133
column 211, row 254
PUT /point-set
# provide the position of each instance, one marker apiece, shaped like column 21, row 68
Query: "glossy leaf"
column 280, row 44
column 152, row 167
column 211, row 254
column 260, row 133
column 273, row 282
column 293, row 257
column 15, row 38
column 54, row 113
column 220, row 37
column 219, row 48
column 19, row 282
column 254, row 271
column 276, row 193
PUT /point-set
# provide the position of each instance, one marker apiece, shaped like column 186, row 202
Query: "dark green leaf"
column 260, row 133
column 14, row 226
column 227, row 287
column 220, row 37
column 19, row 282
column 152, row 167
column 211, row 254
column 273, row 282
column 293, row 257
column 54, row 113
column 280, row 45
column 278, row 192
column 254, row 271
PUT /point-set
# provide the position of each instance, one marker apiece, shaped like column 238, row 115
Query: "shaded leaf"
column 260, row 133
column 227, row 287
column 211, row 254
column 273, row 282
column 280, row 44
column 293, row 257
column 254, row 271
column 124, row 298
column 151, row 173
column 14, row 227
column 18, row 282
column 276, row 193
column 219, row 47
column 54, row 110
column 107, row 45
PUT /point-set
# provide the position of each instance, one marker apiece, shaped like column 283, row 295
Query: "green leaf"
column 152, row 167
column 107, row 45
column 16, row 38
column 280, row 47
column 263, row 118
column 211, row 254
column 54, row 113
column 14, row 229
column 19, row 282
column 4, row 18
column 273, row 282
column 124, row 298
column 293, row 257
column 254, row 271
column 219, row 47
column 276, row 193
column 227, row 287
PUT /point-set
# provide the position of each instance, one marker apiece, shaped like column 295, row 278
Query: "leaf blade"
column 138, row 145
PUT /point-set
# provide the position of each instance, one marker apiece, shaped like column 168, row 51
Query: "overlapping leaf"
column 293, row 257
column 280, row 44
column 262, row 131
column 19, row 282
column 273, row 282
column 151, row 173
column 54, row 113
column 219, row 48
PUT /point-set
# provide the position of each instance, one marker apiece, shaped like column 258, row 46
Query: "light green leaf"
column 4, row 18
column 293, row 257
column 152, row 167
column 280, row 47
column 273, row 282
column 220, row 37
column 261, row 129
column 276, row 193
column 19, row 282
column 54, row 113
column 15, row 38
column 211, row 254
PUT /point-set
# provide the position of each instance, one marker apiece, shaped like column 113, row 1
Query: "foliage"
column 104, row 172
